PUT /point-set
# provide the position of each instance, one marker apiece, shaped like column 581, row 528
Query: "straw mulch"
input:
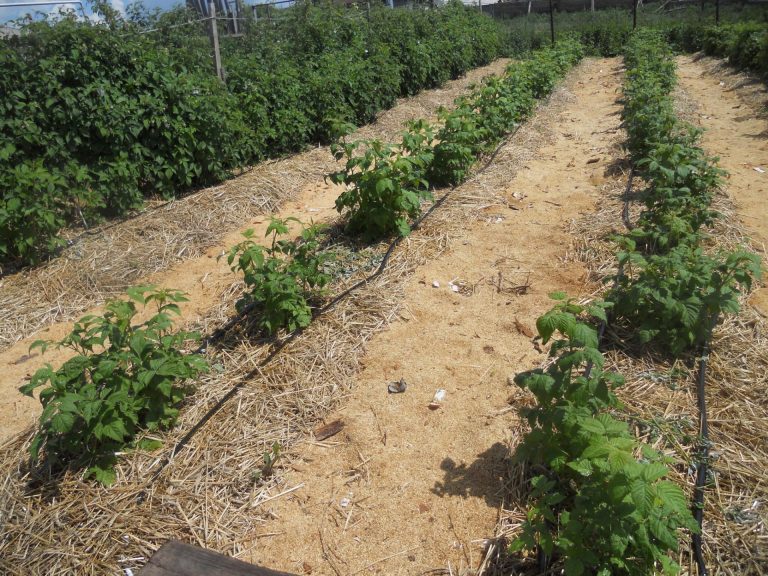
column 660, row 398
column 208, row 495
column 103, row 263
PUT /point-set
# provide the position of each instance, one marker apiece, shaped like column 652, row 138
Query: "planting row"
column 672, row 288
column 601, row 505
column 125, row 379
column 96, row 117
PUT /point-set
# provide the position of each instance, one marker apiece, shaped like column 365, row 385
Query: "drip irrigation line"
column 182, row 443
column 702, row 467
column 625, row 210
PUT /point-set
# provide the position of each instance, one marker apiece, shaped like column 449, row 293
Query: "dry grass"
column 207, row 494
column 750, row 88
column 102, row 264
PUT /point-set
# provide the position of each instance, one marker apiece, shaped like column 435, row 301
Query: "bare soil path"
column 736, row 131
column 404, row 489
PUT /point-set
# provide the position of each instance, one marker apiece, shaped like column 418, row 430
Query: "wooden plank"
column 178, row 559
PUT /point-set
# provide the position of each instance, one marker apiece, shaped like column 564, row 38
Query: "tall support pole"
column 215, row 42
column 634, row 14
column 592, row 6
column 717, row 12
column 235, row 17
column 551, row 22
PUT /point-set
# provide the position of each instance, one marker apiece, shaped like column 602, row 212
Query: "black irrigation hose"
column 625, row 210
column 702, row 467
column 283, row 343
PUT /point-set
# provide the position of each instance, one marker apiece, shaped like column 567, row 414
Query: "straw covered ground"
column 209, row 492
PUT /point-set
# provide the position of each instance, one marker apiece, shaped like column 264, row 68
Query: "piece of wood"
column 214, row 34
column 178, row 559
column 328, row 430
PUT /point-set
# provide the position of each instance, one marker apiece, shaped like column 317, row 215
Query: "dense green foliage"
column 385, row 185
column 96, row 117
column 671, row 289
column 601, row 506
column 123, row 379
column 744, row 44
column 606, row 32
column 281, row 278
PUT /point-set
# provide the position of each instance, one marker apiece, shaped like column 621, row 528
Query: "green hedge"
column 745, row 44
column 741, row 35
column 97, row 117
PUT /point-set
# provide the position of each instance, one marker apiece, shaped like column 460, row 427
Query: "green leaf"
column 661, row 530
column 103, row 474
column 654, row 471
column 546, row 326
column 642, row 496
column 592, row 426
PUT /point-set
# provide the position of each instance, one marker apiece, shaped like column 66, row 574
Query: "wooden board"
column 178, row 559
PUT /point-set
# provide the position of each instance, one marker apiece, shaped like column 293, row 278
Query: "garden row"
column 97, row 117
column 125, row 378
column 602, row 506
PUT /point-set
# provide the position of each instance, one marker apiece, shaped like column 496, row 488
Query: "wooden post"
column 235, row 16
column 634, row 14
column 592, row 5
column 215, row 42
column 551, row 22
column 717, row 12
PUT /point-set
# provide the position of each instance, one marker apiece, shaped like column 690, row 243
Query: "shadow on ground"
column 483, row 478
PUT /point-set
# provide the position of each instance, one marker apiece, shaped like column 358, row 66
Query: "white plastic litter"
column 435, row 284
column 437, row 399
